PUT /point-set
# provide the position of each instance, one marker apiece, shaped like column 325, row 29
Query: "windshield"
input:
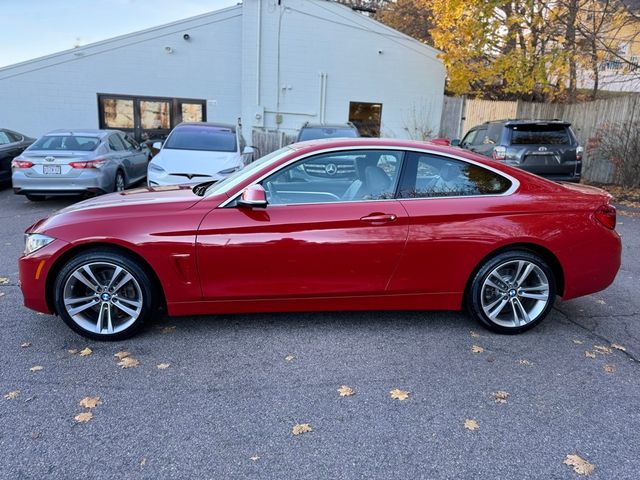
column 205, row 138
column 66, row 142
column 246, row 172
column 326, row 132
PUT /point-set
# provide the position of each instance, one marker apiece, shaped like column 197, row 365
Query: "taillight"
column 499, row 153
column 606, row 215
column 21, row 164
column 89, row 164
column 579, row 152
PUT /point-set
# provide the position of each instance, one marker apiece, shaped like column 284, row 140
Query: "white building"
column 273, row 63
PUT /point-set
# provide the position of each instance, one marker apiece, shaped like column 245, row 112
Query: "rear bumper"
column 91, row 180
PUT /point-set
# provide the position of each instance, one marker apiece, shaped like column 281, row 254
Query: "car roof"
column 89, row 132
column 226, row 126
column 532, row 121
column 328, row 125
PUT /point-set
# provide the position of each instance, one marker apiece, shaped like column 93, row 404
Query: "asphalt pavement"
column 236, row 385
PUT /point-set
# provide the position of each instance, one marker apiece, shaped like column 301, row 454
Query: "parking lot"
column 230, row 389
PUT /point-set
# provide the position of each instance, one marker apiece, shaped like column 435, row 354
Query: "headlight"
column 229, row 171
column 35, row 241
column 156, row 168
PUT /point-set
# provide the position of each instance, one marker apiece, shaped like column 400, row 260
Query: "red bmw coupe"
column 357, row 224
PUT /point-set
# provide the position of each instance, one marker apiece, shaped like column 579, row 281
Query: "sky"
column 33, row 28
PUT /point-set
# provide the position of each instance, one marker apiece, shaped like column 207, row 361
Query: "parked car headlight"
column 156, row 168
column 229, row 171
column 35, row 241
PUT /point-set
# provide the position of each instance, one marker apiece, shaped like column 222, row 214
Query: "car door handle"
column 379, row 218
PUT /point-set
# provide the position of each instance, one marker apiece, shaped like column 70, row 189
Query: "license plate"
column 51, row 169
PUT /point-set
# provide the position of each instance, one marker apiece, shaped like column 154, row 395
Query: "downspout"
column 321, row 97
column 324, row 99
column 258, row 52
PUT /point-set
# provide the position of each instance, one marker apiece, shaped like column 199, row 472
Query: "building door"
column 148, row 118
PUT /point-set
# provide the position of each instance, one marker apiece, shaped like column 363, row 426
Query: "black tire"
column 144, row 280
column 35, row 198
column 120, row 182
column 507, row 262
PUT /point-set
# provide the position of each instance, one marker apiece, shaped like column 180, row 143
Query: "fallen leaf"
column 288, row 358
column 163, row 366
column 601, row 302
column 477, row 349
column 524, row 361
column 36, row 368
column 168, row 329
column 35, row 435
column 85, row 352
column 589, row 354
column 609, row 368
column 143, row 462
column 398, row 394
column 121, row 355
column 90, row 402
column 128, row 362
column 12, row 395
column 83, row 417
column 474, row 334
column 618, row 347
column 255, row 458
column 25, row 345
column 2, row 294
column 73, row 351
column 345, row 391
column 579, row 464
column 501, row 396
column 471, row 424
column 4, row 280
column 300, row 428
column 604, row 350
column 578, row 342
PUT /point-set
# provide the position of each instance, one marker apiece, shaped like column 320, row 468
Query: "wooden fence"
column 267, row 141
column 460, row 114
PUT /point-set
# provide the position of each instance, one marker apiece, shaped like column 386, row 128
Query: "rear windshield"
column 540, row 134
column 202, row 138
column 326, row 132
column 66, row 142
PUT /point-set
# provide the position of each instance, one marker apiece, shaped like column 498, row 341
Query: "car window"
column 115, row 143
column 540, row 134
column 427, row 175
column 66, row 142
column 4, row 138
column 493, row 133
column 129, row 143
column 351, row 175
column 204, row 138
column 481, row 137
column 468, row 138
column 314, row 133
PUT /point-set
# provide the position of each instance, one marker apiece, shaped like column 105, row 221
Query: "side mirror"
column 157, row 145
column 455, row 142
column 248, row 150
column 253, row 197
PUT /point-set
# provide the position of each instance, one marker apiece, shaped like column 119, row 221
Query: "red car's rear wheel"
column 512, row 292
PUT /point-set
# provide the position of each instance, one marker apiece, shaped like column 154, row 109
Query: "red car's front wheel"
column 104, row 295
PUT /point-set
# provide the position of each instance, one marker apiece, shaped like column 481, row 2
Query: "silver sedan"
column 67, row 162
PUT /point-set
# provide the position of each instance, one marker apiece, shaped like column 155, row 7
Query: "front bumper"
column 34, row 270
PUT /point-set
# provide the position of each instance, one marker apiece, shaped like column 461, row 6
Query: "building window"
column 155, row 115
column 192, row 112
column 118, row 113
column 367, row 117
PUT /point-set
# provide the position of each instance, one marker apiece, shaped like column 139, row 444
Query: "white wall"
column 60, row 91
column 317, row 36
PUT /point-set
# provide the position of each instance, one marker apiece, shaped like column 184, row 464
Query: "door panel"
column 300, row 250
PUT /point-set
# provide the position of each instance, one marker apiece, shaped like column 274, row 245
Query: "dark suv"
column 548, row 148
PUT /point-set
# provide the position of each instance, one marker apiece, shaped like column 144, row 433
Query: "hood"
column 131, row 205
column 196, row 161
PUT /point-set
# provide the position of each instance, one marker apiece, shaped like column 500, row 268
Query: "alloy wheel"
column 102, row 298
column 515, row 293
